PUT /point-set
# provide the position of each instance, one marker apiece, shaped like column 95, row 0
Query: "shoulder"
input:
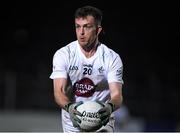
column 67, row 49
column 107, row 52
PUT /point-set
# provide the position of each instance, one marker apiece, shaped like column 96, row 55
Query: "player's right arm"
column 60, row 83
column 59, row 76
column 63, row 101
column 59, row 92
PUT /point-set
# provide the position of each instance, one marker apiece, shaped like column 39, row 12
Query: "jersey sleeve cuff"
column 58, row 75
column 115, row 80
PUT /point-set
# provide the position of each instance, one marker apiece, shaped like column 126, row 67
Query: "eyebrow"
column 84, row 24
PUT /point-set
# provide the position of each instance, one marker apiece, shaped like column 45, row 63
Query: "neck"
column 91, row 50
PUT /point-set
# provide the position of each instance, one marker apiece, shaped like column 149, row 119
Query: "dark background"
column 144, row 33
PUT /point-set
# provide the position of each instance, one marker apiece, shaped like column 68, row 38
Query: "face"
column 87, row 31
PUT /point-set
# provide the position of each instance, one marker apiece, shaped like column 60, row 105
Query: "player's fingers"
column 77, row 113
column 75, row 108
column 77, row 119
column 77, row 104
column 102, row 110
column 75, row 124
column 105, row 121
column 103, row 116
column 100, row 103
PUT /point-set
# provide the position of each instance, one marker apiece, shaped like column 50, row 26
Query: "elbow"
column 121, row 101
column 55, row 98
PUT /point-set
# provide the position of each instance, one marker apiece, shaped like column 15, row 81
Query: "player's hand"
column 105, row 112
column 71, row 109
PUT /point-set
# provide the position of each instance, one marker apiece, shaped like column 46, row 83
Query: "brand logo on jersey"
column 84, row 87
column 73, row 67
column 88, row 65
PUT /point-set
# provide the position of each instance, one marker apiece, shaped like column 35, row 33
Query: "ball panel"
column 90, row 118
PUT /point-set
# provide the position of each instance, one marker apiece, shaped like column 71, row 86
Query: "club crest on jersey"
column 84, row 87
column 101, row 69
column 119, row 72
column 73, row 67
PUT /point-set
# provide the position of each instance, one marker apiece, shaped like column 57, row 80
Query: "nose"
column 82, row 31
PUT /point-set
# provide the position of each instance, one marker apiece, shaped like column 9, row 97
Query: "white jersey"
column 88, row 76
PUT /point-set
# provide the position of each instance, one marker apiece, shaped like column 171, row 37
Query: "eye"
column 77, row 26
column 88, row 26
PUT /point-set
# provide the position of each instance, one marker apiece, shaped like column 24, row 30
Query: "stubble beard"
column 89, row 46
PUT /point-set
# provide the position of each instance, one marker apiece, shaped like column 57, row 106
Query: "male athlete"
column 87, row 69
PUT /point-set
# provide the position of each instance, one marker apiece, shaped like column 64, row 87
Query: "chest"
column 93, row 69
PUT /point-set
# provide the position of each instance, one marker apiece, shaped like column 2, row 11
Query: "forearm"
column 116, row 95
column 117, row 102
column 59, row 92
column 61, row 99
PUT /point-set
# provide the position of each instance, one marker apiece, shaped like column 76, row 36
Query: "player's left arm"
column 115, row 81
column 114, row 103
column 116, row 94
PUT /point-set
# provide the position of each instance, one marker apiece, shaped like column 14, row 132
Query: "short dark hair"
column 89, row 10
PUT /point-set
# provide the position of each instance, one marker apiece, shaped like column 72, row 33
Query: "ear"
column 98, row 30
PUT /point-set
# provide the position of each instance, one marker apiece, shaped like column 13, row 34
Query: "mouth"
column 82, row 39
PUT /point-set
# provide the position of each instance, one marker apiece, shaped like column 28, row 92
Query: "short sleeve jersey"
column 88, row 76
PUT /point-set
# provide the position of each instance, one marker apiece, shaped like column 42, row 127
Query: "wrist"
column 112, row 106
column 66, row 107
